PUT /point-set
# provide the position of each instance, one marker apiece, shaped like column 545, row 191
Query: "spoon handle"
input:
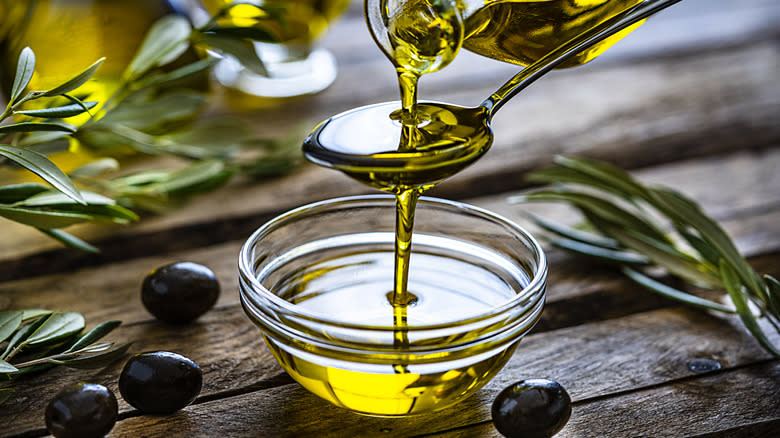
column 571, row 48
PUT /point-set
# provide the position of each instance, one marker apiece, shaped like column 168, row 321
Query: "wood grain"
column 591, row 360
column 703, row 103
column 737, row 188
column 689, row 101
column 680, row 409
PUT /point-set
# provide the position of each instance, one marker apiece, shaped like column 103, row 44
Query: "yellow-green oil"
column 409, row 150
column 347, row 284
column 289, row 21
column 522, row 31
column 67, row 36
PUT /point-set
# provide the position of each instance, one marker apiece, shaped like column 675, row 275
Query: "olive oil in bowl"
column 316, row 280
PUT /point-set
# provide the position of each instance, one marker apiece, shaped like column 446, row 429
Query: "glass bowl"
column 315, row 281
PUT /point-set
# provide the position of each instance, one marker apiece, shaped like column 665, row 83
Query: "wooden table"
column 691, row 100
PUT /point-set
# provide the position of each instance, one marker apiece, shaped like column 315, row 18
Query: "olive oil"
column 346, row 283
column 69, row 35
column 289, row 21
column 522, row 31
column 406, row 151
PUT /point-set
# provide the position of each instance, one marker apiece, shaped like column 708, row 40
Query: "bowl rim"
column 536, row 285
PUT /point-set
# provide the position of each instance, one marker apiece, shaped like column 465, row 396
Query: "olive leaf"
column 43, row 218
column 18, row 192
column 24, row 72
column 733, row 285
column 68, row 239
column 6, row 367
column 673, row 293
column 49, row 198
column 144, row 114
column 599, row 252
column 165, row 41
column 57, row 326
column 29, row 314
column 35, row 127
column 9, row 322
column 76, row 81
column 95, row 334
column 69, row 110
column 21, row 335
column 163, row 79
column 43, row 167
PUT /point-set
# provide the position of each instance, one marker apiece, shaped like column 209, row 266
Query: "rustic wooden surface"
column 690, row 101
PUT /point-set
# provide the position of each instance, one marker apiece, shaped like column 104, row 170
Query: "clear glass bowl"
column 315, row 281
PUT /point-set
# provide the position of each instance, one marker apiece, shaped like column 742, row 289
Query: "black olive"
column 83, row 410
column 160, row 382
column 180, row 292
column 532, row 408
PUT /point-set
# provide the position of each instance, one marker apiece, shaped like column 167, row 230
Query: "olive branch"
column 153, row 112
column 45, row 339
column 637, row 227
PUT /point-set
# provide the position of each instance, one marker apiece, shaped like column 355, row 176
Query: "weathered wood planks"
column 690, row 106
column 237, row 365
column 632, row 111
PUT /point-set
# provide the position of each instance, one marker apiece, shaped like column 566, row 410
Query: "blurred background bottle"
column 295, row 66
column 69, row 35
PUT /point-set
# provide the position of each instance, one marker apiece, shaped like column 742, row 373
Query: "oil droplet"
column 701, row 365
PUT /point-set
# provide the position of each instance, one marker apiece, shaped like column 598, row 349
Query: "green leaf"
column 673, row 293
column 773, row 293
column 9, row 322
column 667, row 257
column 69, row 240
column 23, row 333
column 24, row 72
column 34, row 313
column 145, row 114
column 684, row 211
column 97, row 360
column 35, row 138
column 95, row 334
column 193, row 177
column 707, row 252
column 95, row 168
column 6, row 367
column 574, row 234
column 43, row 167
column 5, row 394
column 734, row 287
column 49, row 198
column 70, row 110
column 37, row 127
column 165, row 41
column 598, row 252
column 42, row 218
column 242, row 50
column 164, row 79
column 57, row 326
column 592, row 205
column 614, row 179
column 18, row 192
column 76, row 81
